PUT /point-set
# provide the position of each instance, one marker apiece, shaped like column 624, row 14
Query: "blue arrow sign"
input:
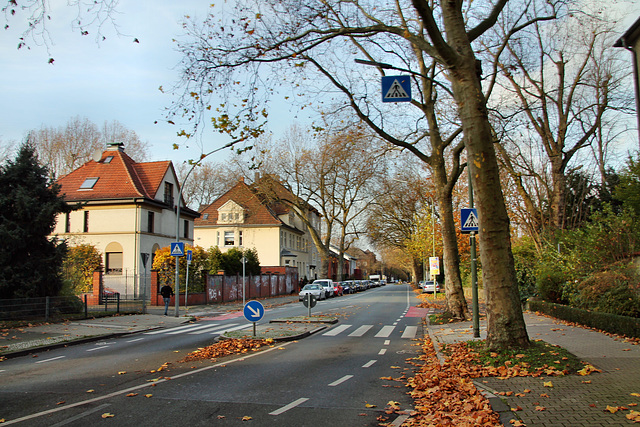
column 253, row 311
column 177, row 248
column 468, row 220
column 396, row 89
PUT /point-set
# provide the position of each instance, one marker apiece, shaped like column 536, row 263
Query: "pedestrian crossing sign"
column 177, row 248
column 396, row 89
column 469, row 220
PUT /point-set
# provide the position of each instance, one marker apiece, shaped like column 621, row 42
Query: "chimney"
column 115, row 146
column 256, row 176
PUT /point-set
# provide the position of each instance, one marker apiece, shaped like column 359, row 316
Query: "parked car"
column 110, row 295
column 314, row 289
column 431, row 287
column 357, row 284
column 327, row 284
column 347, row 287
column 337, row 289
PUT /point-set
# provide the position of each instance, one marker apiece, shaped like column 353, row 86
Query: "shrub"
column 612, row 292
column 78, row 267
column 550, row 284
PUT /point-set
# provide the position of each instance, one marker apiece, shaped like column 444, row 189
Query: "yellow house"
column 128, row 213
column 244, row 218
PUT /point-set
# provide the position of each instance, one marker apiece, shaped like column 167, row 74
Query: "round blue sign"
column 253, row 311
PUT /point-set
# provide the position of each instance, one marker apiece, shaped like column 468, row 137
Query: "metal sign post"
column 186, row 285
column 253, row 312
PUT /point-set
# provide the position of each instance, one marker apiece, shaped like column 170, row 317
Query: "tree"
column 78, row 267
column 66, row 148
column 569, row 96
column 30, row 260
column 208, row 181
column 312, row 41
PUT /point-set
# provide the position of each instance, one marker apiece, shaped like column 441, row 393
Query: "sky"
column 115, row 79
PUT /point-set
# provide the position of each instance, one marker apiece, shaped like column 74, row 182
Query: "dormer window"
column 231, row 213
column 88, row 183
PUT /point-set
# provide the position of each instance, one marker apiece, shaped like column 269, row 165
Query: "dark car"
column 347, row 287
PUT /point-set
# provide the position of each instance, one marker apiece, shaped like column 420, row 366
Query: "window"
column 107, row 159
column 168, row 193
column 239, row 238
column 67, row 222
column 114, row 263
column 88, row 183
column 229, row 238
column 205, row 216
column 150, row 221
column 85, row 226
column 185, row 233
column 217, row 238
column 223, row 217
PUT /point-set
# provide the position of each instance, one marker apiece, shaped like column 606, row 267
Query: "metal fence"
column 51, row 309
column 128, row 285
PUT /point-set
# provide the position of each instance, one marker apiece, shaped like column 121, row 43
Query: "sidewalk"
column 25, row 340
column 573, row 400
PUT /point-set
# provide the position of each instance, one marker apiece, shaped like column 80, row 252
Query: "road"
column 332, row 378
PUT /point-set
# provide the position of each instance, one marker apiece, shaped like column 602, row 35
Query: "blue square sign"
column 177, row 248
column 396, row 89
column 469, row 220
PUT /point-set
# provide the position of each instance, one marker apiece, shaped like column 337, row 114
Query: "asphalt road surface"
column 332, row 378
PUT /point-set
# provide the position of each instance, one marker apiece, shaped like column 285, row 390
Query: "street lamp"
column 202, row 157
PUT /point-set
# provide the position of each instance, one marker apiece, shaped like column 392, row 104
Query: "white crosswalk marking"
column 335, row 331
column 164, row 331
column 410, row 332
column 194, row 328
column 360, row 331
column 385, row 332
column 213, row 329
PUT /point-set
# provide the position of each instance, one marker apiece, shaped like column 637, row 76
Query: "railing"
column 51, row 309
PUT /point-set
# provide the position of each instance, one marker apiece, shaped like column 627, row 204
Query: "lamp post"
column 474, row 273
column 196, row 163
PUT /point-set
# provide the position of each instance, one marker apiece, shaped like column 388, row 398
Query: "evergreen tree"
column 30, row 260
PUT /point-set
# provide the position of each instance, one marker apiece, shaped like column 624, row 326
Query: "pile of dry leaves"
column 226, row 348
column 444, row 398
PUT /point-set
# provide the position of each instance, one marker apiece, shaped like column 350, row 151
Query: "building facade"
column 128, row 212
column 245, row 217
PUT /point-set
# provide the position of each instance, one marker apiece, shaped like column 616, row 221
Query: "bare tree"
column 208, row 181
column 308, row 44
column 66, row 148
column 115, row 132
column 568, row 84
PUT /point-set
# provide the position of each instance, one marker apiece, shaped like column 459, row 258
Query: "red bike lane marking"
column 417, row 312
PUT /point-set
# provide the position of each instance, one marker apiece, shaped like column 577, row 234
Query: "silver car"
column 327, row 284
column 313, row 289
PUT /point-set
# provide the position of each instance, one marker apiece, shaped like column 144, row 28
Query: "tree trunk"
column 505, row 322
column 456, row 302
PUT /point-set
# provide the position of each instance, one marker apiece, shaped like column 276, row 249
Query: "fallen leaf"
column 90, row 391
column 107, row 415
column 612, row 409
column 61, row 402
column 131, row 394
column 540, row 408
column 148, row 395
column 544, row 395
column 368, row 405
column 635, row 394
column 548, row 384
column 246, row 418
column 517, row 423
column 586, row 382
column 122, row 372
column 221, row 417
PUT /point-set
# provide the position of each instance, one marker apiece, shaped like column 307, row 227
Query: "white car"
column 327, row 284
column 431, row 287
column 313, row 289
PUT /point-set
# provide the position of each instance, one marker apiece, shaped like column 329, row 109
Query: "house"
column 630, row 40
column 128, row 213
column 247, row 217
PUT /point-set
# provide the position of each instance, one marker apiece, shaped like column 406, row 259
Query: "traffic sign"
column 177, row 248
column 396, row 89
column 309, row 301
column 189, row 256
column 469, row 220
column 253, row 311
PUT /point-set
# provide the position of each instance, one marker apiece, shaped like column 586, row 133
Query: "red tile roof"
column 121, row 178
column 255, row 212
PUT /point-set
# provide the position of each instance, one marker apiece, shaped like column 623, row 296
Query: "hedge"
column 621, row 325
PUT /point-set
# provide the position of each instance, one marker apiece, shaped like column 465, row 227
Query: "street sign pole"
column 474, row 272
column 253, row 312
column 186, row 285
